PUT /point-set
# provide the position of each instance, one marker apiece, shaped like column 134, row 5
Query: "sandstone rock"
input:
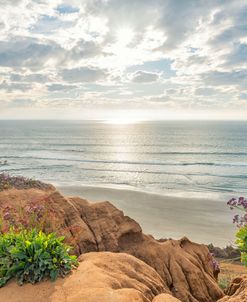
column 237, row 291
column 185, row 267
column 165, row 298
column 103, row 276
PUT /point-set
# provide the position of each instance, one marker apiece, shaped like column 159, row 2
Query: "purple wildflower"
column 240, row 204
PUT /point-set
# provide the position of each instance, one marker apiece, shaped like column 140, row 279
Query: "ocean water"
column 192, row 159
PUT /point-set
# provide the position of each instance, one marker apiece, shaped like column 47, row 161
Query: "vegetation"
column 224, row 282
column 31, row 256
column 28, row 251
column 242, row 243
column 19, row 182
column 229, row 252
column 241, row 222
column 32, row 214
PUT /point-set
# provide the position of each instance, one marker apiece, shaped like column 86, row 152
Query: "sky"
column 123, row 60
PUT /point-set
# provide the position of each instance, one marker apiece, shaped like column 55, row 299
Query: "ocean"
column 176, row 158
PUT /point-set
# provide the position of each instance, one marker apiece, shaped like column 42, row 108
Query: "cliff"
column 139, row 268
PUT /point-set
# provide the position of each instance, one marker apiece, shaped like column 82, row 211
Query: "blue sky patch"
column 67, row 9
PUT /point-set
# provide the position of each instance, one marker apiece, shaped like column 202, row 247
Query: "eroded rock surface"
column 165, row 298
column 185, row 268
column 237, row 291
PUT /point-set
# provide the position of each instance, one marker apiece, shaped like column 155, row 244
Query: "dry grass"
column 228, row 271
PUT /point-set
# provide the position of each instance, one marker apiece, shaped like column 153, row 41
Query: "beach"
column 201, row 220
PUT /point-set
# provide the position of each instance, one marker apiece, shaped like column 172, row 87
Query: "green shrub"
column 30, row 256
column 241, row 222
column 242, row 243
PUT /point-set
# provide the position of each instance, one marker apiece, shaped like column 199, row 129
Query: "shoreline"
column 201, row 220
column 217, row 196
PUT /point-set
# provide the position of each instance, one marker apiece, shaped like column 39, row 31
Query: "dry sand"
column 201, row 220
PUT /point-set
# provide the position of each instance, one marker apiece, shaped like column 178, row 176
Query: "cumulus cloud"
column 85, row 49
column 28, row 52
column 83, row 74
column 144, row 77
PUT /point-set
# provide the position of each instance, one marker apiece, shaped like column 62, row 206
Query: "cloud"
column 10, row 3
column 60, row 87
column 205, row 91
column 217, row 78
column 243, row 96
column 31, row 78
column 85, row 49
column 28, row 52
column 237, row 58
column 83, row 74
column 144, row 77
column 10, row 87
column 21, row 103
column 190, row 53
column 181, row 18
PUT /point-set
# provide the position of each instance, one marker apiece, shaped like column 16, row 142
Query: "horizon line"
column 130, row 121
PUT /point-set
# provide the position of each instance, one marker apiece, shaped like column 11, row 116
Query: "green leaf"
column 30, row 256
column 54, row 274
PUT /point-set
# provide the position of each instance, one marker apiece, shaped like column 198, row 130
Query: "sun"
column 122, row 52
column 124, row 36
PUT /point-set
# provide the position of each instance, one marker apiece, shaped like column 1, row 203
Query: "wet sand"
column 201, row 220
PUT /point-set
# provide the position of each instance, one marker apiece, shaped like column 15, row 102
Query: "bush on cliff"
column 242, row 243
column 35, row 214
column 19, row 182
column 30, row 256
column 241, row 222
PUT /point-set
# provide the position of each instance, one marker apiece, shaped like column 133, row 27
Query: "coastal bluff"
column 117, row 261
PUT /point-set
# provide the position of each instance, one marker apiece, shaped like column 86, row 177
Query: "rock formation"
column 104, row 277
column 184, row 269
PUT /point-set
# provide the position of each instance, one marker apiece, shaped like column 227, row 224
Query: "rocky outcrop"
column 237, row 291
column 104, row 277
column 185, row 268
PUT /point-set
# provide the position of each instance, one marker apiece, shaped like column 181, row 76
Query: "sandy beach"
column 201, row 220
